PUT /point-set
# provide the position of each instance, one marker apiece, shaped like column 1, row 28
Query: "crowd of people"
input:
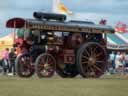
column 7, row 63
column 118, row 62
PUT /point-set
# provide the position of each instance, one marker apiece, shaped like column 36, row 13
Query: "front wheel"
column 24, row 65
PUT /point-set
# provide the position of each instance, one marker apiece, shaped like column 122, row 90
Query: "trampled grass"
column 56, row 86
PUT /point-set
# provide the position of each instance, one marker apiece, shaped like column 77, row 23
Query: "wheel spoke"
column 46, row 59
column 86, row 52
column 91, row 69
column 84, row 57
column 50, row 61
column 50, row 69
column 97, row 68
column 93, row 55
column 86, row 68
column 85, row 62
column 42, row 61
column 94, row 51
column 100, row 61
column 40, row 66
column 99, row 54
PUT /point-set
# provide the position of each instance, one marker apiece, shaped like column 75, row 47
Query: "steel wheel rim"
column 26, row 65
column 93, row 60
column 46, row 65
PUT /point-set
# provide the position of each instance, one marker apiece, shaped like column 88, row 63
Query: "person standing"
column 5, row 60
column 12, row 57
column 112, row 59
column 119, row 61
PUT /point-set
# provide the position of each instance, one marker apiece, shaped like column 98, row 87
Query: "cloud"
column 29, row 4
column 4, row 3
column 112, row 10
column 99, row 6
column 111, row 18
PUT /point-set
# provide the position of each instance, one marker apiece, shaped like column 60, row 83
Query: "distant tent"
column 117, row 41
column 6, row 40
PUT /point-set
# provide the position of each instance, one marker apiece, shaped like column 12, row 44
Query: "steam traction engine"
column 68, row 48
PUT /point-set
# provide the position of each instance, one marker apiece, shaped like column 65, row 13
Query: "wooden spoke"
column 97, row 68
column 90, row 50
column 85, row 57
column 99, row 54
column 91, row 69
column 85, row 62
column 86, row 52
column 100, row 61
column 94, row 51
column 40, row 66
column 50, row 61
column 41, row 61
column 47, row 59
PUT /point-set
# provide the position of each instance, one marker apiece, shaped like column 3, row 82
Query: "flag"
column 103, row 22
column 59, row 7
column 63, row 9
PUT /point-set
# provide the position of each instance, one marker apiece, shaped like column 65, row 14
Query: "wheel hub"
column 92, row 61
column 46, row 66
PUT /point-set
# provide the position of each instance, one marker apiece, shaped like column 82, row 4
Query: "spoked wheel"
column 66, row 70
column 45, row 65
column 24, row 67
column 91, row 60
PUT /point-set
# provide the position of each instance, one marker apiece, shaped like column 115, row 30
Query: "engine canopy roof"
column 66, row 26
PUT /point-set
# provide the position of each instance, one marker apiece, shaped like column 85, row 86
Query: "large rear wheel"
column 91, row 60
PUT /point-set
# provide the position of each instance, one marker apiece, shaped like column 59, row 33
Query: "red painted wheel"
column 45, row 65
column 24, row 66
column 91, row 60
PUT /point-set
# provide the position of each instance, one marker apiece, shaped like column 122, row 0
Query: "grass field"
column 56, row 86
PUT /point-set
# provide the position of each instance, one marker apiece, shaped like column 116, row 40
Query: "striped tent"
column 6, row 42
column 117, row 41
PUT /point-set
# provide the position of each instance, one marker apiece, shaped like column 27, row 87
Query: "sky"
column 94, row 10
